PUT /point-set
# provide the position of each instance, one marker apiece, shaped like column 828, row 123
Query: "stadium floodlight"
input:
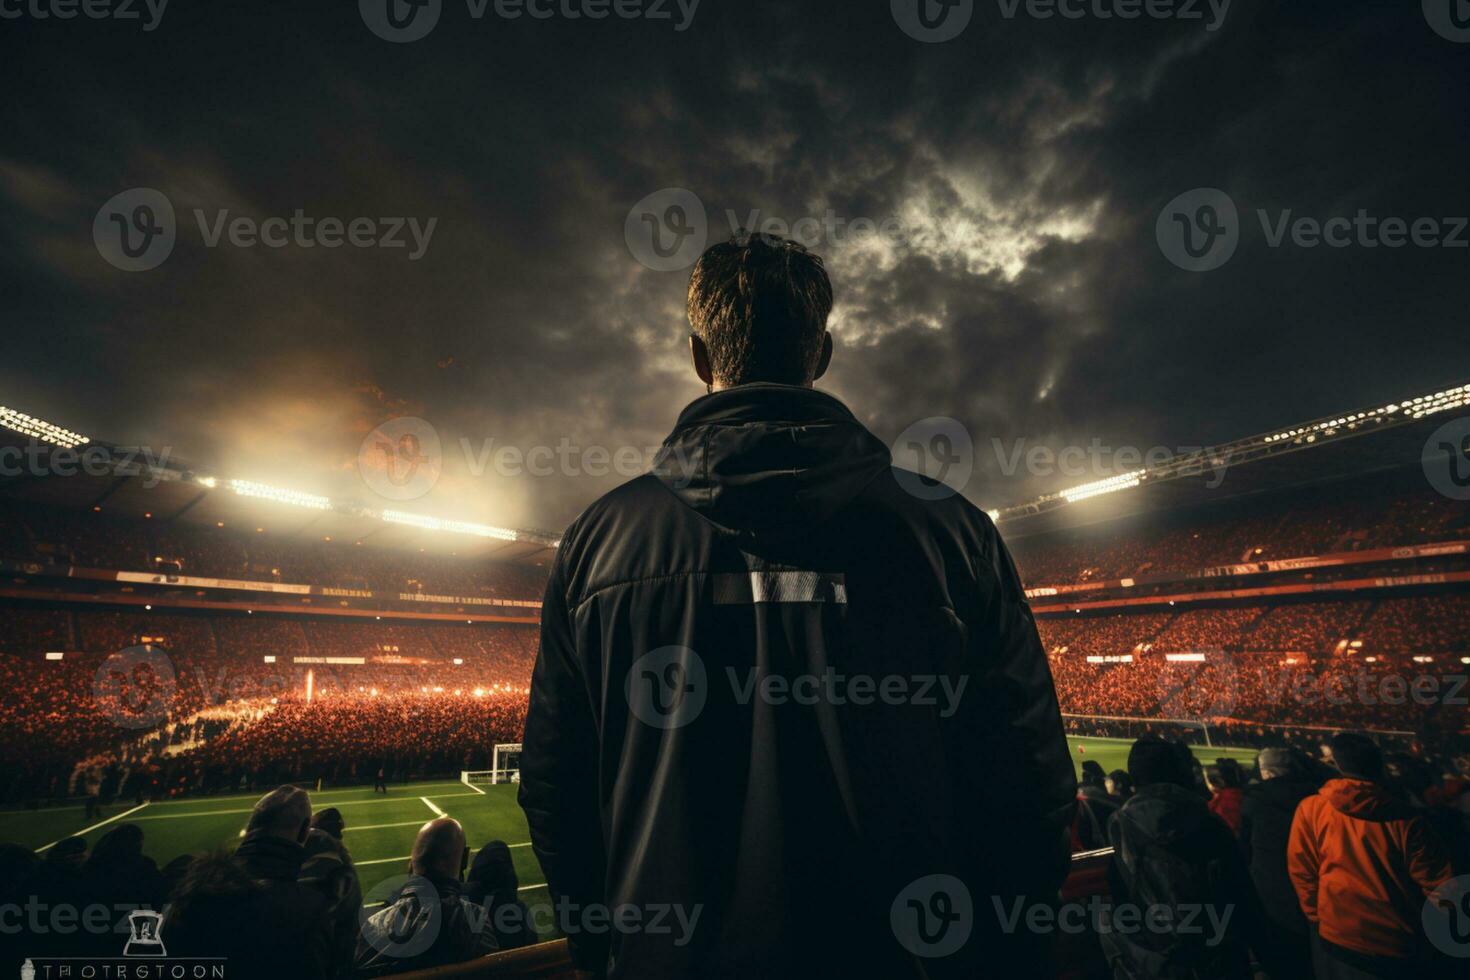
column 295, row 498
column 1112, row 484
column 437, row 524
column 29, row 425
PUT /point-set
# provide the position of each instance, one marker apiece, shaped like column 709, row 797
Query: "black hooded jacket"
column 1266, row 815
column 774, row 690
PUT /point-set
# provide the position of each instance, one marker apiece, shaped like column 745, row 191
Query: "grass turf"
column 381, row 829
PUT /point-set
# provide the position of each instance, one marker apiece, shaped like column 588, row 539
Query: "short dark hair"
column 760, row 304
column 1357, row 755
column 1153, row 760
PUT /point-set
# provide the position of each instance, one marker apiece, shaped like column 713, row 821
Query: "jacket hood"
column 267, row 856
column 1165, row 812
column 1364, row 800
column 766, row 455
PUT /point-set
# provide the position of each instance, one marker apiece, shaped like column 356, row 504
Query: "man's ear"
column 700, row 353
column 825, row 360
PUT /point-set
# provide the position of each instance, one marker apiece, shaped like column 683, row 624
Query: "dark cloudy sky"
column 1026, row 162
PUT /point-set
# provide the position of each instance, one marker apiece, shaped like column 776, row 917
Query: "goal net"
column 507, row 768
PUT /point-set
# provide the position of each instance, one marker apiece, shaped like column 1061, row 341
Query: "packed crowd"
column 135, row 543
column 137, row 701
column 288, row 903
column 1385, row 511
column 1342, row 866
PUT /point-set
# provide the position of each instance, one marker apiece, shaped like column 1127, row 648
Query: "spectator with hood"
column 1171, row 852
column 249, row 908
column 777, row 543
column 1363, row 863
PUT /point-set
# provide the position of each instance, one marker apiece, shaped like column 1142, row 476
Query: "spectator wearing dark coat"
column 493, row 883
column 1095, row 808
column 119, row 876
column 1171, row 853
column 251, row 909
column 1283, row 939
column 429, row 923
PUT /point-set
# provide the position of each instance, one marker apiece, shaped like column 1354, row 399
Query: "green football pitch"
column 380, row 828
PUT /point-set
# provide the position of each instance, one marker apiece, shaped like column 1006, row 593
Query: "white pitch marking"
column 101, row 823
column 380, row 826
column 437, row 812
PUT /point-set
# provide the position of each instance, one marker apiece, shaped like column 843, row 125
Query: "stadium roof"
column 1354, row 443
column 61, row 468
column 125, row 480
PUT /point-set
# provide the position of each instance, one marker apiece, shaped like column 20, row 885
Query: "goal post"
column 506, row 761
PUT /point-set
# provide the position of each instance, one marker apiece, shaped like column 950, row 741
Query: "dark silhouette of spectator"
column 117, row 874
column 328, row 868
column 1119, row 786
column 1282, row 940
column 250, row 908
column 776, row 540
column 1095, row 808
column 1363, row 862
column 1171, row 852
column 493, row 883
column 429, row 923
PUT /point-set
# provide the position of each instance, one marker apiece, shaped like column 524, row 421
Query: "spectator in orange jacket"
column 1363, row 862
